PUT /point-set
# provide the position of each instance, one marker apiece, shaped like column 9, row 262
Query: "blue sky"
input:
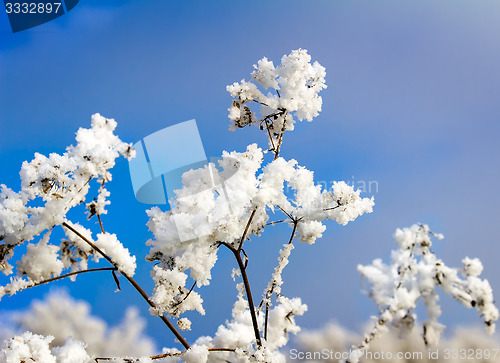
column 412, row 103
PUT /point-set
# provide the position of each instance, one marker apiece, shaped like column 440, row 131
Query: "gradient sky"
column 412, row 103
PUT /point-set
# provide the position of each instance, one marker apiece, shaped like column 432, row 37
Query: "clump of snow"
column 196, row 354
column 109, row 244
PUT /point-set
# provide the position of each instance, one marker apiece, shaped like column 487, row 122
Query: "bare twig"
column 100, row 223
column 185, row 297
column 270, row 136
column 266, row 320
column 248, row 291
column 133, row 283
column 275, row 222
column 74, row 273
column 280, row 139
column 332, row 208
column 246, row 229
column 166, row 355
column 284, row 211
column 259, row 102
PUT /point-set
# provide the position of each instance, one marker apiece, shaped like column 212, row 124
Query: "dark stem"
column 280, row 139
column 133, row 283
column 262, row 103
column 185, row 297
column 266, row 320
column 284, row 211
column 247, row 290
column 332, row 208
column 246, row 230
column 167, row 355
column 293, row 231
column 100, row 223
column 270, row 136
column 275, row 222
column 74, row 273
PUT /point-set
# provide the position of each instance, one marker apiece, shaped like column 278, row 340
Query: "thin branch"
column 293, row 231
column 270, row 136
column 266, row 320
column 261, row 103
column 246, row 229
column 100, row 223
column 280, row 139
column 167, row 355
column 74, row 273
column 133, row 283
column 275, row 222
column 185, row 297
column 284, row 211
column 91, row 244
column 338, row 206
column 279, row 113
column 247, row 290
column 246, row 257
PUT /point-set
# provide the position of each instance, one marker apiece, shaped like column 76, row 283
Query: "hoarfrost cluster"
column 296, row 84
column 415, row 273
column 50, row 187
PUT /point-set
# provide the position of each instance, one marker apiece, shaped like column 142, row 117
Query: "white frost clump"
column 72, row 352
column 349, row 204
column 196, row 354
column 296, row 83
column 171, row 296
column 472, row 266
column 27, row 347
column 309, row 231
column 414, row 274
column 30, row 347
column 184, row 324
column 109, row 244
column 41, row 261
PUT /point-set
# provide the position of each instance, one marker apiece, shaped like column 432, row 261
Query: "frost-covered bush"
column 415, row 273
column 251, row 196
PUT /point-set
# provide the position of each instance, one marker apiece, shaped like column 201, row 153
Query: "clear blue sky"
column 412, row 103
